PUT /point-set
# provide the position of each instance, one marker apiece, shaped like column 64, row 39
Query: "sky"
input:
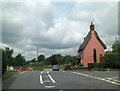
column 56, row 27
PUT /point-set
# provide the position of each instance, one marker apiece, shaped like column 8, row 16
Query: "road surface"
column 48, row 79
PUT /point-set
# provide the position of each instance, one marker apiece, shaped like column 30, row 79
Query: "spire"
column 92, row 27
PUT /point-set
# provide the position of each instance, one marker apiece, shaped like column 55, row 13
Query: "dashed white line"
column 48, row 72
column 41, row 81
column 100, row 78
column 47, row 81
column 51, row 78
column 49, row 86
column 113, row 79
column 41, row 72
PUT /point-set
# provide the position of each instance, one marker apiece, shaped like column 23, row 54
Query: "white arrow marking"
column 41, row 81
column 51, row 78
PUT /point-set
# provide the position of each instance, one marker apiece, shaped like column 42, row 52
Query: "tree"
column 9, row 53
column 19, row 60
column 46, row 62
column 116, row 48
column 4, row 62
column 41, row 58
column 33, row 60
column 53, row 60
column 7, row 58
column 59, row 59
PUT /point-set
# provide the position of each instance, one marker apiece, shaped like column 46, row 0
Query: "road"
column 63, row 80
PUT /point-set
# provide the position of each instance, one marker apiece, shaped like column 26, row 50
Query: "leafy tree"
column 41, row 58
column 59, row 59
column 19, row 60
column 33, row 60
column 112, row 60
column 53, row 60
column 46, row 62
column 7, row 58
column 4, row 62
column 116, row 47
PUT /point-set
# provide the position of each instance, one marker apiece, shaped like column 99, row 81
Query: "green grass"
column 9, row 74
column 45, row 67
column 37, row 68
column 62, row 67
column 100, row 69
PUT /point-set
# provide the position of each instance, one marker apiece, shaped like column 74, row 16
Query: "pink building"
column 92, row 48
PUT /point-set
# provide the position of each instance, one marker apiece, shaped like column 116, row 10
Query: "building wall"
column 88, row 51
column 81, row 57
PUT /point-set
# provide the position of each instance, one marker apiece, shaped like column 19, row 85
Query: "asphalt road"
column 63, row 80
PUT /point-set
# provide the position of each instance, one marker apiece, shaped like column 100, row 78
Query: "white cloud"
column 29, row 25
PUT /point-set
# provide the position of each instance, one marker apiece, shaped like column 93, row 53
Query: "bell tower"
column 92, row 27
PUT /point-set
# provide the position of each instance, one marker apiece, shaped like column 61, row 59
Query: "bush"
column 90, row 65
column 96, row 65
column 100, row 69
column 38, row 64
column 112, row 60
column 80, row 68
column 37, row 68
column 66, row 67
column 81, row 65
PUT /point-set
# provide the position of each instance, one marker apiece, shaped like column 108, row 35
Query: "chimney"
column 92, row 27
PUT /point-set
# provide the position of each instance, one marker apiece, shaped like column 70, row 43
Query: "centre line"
column 41, row 72
column 51, row 78
column 49, row 86
column 48, row 72
column 98, row 78
column 41, row 81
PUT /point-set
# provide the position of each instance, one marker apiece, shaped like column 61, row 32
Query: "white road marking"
column 48, row 72
column 100, row 78
column 41, row 72
column 113, row 79
column 47, row 81
column 51, row 78
column 41, row 81
column 49, row 86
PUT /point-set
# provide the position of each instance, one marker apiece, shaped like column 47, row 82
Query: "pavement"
column 49, row 79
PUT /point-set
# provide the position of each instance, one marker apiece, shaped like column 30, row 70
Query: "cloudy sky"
column 56, row 27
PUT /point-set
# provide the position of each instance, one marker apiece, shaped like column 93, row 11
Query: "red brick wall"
column 88, row 51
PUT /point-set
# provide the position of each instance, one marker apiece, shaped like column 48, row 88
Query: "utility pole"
column 37, row 54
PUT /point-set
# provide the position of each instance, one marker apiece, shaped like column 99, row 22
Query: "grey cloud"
column 26, row 27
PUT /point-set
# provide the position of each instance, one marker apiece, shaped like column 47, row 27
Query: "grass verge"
column 9, row 74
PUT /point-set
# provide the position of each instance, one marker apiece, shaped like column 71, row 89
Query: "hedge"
column 67, row 67
column 112, row 60
column 96, row 65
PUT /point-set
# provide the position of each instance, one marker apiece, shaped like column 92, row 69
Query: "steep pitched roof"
column 87, row 38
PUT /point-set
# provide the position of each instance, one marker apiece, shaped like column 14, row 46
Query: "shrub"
column 112, row 60
column 66, row 67
column 81, row 65
column 38, row 64
column 80, row 68
column 90, row 65
column 96, row 65
column 100, row 69
column 37, row 68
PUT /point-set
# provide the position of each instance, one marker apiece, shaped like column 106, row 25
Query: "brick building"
column 92, row 48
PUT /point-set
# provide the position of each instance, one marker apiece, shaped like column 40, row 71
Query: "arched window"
column 94, row 55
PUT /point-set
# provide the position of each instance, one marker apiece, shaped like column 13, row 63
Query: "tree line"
column 19, row 59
